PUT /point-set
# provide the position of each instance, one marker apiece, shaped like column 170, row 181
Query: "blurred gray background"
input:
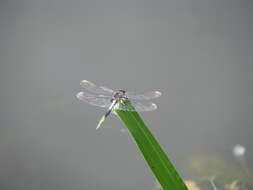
column 198, row 53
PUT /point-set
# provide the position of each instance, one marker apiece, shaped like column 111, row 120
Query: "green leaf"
column 156, row 158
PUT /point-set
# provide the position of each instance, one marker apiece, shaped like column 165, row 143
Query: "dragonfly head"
column 122, row 91
column 119, row 94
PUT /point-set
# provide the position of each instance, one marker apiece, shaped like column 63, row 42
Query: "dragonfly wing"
column 96, row 100
column 91, row 87
column 138, row 106
column 143, row 96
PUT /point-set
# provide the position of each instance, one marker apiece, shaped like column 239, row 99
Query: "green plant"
column 156, row 158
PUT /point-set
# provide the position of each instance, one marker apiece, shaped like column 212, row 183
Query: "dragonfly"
column 107, row 98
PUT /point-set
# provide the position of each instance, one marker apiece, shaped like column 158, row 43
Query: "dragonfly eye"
column 122, row 91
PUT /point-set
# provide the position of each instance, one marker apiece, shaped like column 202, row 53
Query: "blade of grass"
column 152, row 152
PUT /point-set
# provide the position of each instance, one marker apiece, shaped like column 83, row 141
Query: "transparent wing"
column 96, row 100
column 91, row 87
column 143, row 96
column 138, row 106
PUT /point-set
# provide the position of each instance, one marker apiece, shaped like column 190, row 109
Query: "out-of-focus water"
column 198, row 53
